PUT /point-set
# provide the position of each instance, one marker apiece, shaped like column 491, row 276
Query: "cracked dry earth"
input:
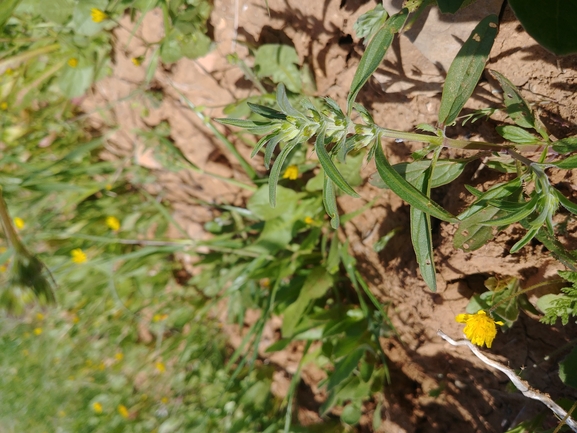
column 404, row 92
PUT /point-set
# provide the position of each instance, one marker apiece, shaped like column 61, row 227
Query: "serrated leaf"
column 466, row 69
column 375, row 53
column 517, row 108
column 405, row 190
column 551, row 23
column 516, row 134
column 329, row 167
column 279, row 62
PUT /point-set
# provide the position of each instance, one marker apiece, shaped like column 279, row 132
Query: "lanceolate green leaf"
column 269, row 113
column 405, row 190
column 524, row 240
column 330, row 201
column 423, row 245
column 277, row 167
column 565, row 202
column 284, row 104
column 466, row 69
column 329, row 167
column 375, row 53
column 517, row 108
column 517, row 216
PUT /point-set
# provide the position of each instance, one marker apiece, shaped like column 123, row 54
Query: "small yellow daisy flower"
column 160, row 367
column 480, row 328
column 123, row 411
column 4, row 106
column 291, row 172
column 113, row 223
column 73, row 62
column 97, row 407
column 97, row 15
column 37, row 331
column 78, row 256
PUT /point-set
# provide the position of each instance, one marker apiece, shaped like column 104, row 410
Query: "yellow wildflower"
column 40, row 316
column 164, row 400
column 480, row 328
column 123, row 411
column 75, row 319
column 73, row 62
column 97, row 407
column 97, row 15
column 78, row 256
column 113, row 223
column 309, row 221
column 160, row 367
column 159, row 317
column 4, row 105
column 136, row 61
column 119, row 356
column 19, row 223
column 37, row 331
column 9, row 71
column 3, row 268
column 291, row 172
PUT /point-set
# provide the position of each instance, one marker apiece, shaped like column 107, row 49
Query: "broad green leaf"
column 405, row 190
column 344, row 368
column 566, row 145
column 315, row 286
column 450, row 6
column 472, row 234
column 275, row 235
column 6, row 9
column 502, row 190
column 75, row 82
column 375, row 53
column 517, row 108
column 58, row 11
column 523, row 212
column 568, row 163
column 516, row 134
column 329, row 167
column 551, row 23
column 279, row 62
column 466, row 69
column 259, row 204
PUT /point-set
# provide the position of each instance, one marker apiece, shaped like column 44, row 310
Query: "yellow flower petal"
column 19, row 223
column 97, row 407
column 78, row 256
column 291, row 172
column 113, row 223
column 480, row 328
column 123, row 411
column 73, row 62
column 97, row 15
column 160, row 367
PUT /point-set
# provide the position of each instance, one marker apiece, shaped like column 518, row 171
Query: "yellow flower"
column 37, row 331
column 73, row 62
column 19, row 223
column 9, row 71
column 123, row 411
column 309, row 220
column 78, row 256
column 480, row 328
column 159, row 317
column 97, row 15
column 160, row 367
column 136, row 61
column 164, row 400
column 291, row 172
column 40, row 316
column 97, row 407
column 119, row 356
column 4, row 106
column 113, row 223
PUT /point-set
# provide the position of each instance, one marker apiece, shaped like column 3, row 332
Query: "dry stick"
column 520, row 384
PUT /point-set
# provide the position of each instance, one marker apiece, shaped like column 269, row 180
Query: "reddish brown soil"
column 405, row 92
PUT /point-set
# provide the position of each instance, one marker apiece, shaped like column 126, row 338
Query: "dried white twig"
column 520, row 384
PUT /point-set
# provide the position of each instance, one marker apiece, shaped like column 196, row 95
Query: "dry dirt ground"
column 405, row 92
